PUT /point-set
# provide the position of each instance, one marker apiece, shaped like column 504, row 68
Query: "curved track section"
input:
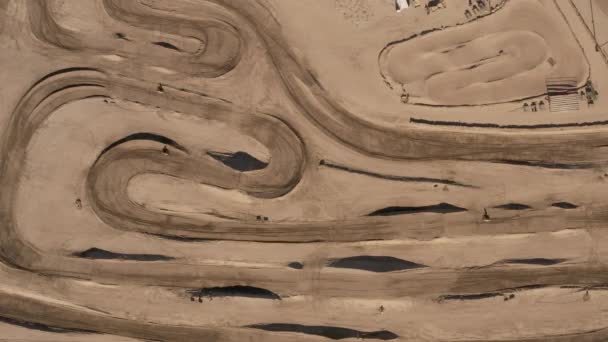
column 491, row 60
column 220, row 44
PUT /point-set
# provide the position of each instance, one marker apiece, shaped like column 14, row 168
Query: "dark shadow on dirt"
column 180, row 238
column 392, row 177
column 234, row 291
column 493, row 125
column 334, row 333
column 476, row 296
column 513, row 206
column 240, row 161
column 564, row 205
column 534, row 261
column 120, row 35
column 441, row 208
column 375, row 263
column 96, row 253
column 295, row 265
column 144, row 136
column 545, row 165
column 43, row 327
column 167, row 46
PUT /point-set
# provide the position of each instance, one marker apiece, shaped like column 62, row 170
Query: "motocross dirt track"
column 177, row 171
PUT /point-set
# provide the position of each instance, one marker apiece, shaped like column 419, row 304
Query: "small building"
column 433, row 5
column 401, row 5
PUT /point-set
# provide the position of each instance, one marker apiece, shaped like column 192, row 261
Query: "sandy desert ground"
column 283, row 170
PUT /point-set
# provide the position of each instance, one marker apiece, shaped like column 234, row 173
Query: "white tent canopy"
column 401, row 4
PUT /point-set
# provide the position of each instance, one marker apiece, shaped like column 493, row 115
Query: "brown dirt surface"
column 273, row 170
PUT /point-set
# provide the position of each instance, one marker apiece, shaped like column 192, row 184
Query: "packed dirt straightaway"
column 181, row 171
